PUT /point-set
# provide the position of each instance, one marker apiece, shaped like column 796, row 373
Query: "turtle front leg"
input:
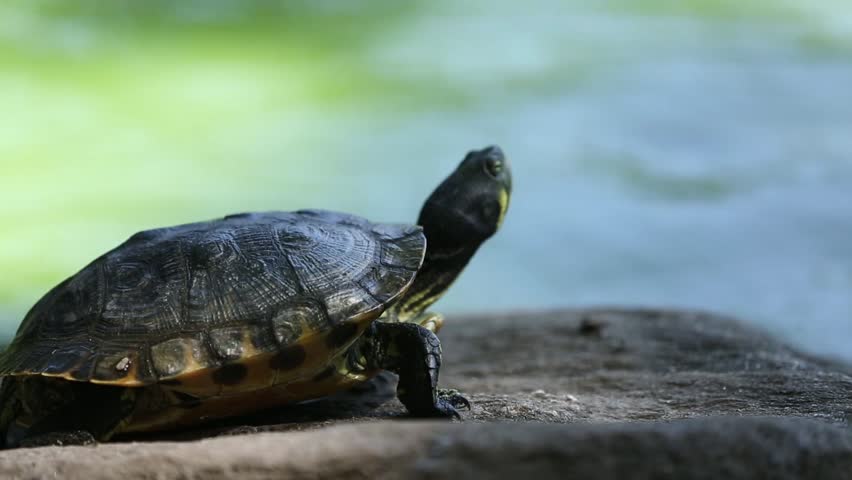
column 433, row 322
column 413, row 352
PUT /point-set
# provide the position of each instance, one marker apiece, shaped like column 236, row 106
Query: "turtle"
column 182, row 325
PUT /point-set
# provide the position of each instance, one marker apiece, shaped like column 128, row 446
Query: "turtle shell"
column 175, row 301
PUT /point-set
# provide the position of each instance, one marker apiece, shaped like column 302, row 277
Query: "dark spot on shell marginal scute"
column 231, row 374
column 288, row 358
column 171, row 382
column 341, row 334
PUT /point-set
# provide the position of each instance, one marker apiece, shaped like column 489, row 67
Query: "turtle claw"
column 454, row 398
column 445, row 409
column 446, row 405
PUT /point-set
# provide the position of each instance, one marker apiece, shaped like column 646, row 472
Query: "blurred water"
column 663, row 154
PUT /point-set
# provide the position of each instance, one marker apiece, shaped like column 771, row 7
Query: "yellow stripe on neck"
column 504, row 206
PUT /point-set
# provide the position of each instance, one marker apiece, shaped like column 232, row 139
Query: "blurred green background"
column 665, row 152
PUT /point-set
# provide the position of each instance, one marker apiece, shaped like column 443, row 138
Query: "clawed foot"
column 417, row 369
column 449, row 401
column 454, row 398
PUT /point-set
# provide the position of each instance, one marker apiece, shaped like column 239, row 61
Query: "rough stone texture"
column 638, row 365
column 621, row 379
column 730, row 448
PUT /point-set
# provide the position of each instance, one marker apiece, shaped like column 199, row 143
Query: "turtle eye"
column 493, row 167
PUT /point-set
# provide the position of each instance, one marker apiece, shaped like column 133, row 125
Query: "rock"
column 710, row 448
column 643, row 365
column 616, row 400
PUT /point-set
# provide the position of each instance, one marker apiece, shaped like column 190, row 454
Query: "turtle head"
column 464, row 211
column 469, row 206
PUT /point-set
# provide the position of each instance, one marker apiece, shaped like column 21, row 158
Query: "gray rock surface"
column 717, row 448
column 591, row 394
